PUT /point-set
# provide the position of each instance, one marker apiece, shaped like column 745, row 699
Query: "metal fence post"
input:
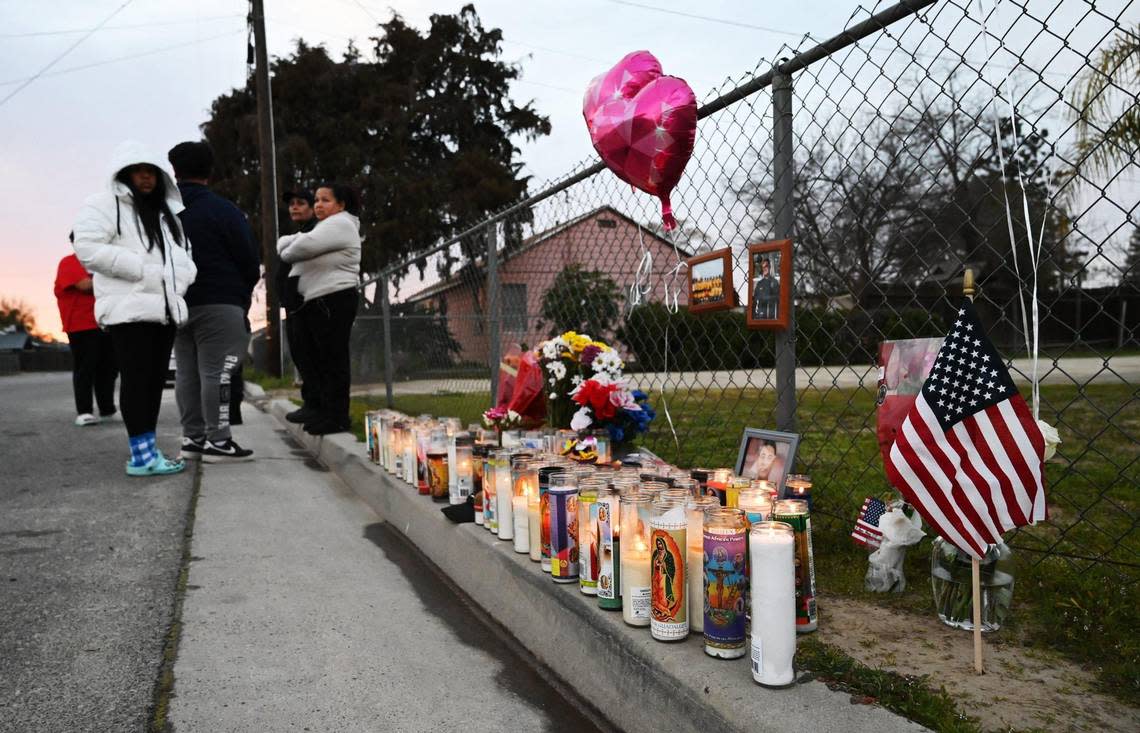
column 784, row 215
column 389, row 368
column 492, row 234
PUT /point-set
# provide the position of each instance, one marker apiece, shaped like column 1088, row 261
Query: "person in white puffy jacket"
column 327, row 263
column 130, row 240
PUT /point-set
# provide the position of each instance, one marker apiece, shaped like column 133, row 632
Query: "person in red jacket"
column 93, row 357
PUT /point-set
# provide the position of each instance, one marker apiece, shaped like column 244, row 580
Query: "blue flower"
column 617, row 435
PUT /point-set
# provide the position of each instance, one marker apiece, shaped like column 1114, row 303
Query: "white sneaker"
column 87, row 419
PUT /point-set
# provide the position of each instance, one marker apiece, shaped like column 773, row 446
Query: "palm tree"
column 1104, row 139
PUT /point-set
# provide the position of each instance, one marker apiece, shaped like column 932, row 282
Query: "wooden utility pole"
column 268, row 162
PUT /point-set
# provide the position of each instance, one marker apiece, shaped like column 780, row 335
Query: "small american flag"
column 867, row 532
column 969, row 455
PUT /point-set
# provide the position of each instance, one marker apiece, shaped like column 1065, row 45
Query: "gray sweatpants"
column 207, row 349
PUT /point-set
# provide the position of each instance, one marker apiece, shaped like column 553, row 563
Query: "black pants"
column 326, row 325
column 299, row 353
column 143, row 352
column 93, row 368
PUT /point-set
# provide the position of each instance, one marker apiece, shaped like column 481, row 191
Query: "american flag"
column 867, row 532
column 969, row 455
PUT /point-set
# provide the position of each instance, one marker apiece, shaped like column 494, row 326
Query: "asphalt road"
column 88, row 564
column 302, row 611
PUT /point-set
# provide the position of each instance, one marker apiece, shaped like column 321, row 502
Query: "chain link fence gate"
column 875, row 152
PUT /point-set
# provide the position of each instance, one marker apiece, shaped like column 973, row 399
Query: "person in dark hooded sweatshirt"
column 214, row 339
column 300, row 202
column 130, row 240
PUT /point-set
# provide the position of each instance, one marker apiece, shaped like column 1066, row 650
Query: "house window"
column 607, row 224
column 514, row 307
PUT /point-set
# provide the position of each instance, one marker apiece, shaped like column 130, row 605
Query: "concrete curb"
column 637, row 683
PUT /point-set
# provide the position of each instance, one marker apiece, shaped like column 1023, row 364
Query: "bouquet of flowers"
column 588, row 389
column 500, row 419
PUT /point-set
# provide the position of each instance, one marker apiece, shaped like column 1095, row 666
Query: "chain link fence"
column 889, row 154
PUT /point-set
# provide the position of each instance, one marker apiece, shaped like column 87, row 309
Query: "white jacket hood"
column 132, row 152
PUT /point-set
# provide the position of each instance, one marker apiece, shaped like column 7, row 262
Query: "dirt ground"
column 1023, row 689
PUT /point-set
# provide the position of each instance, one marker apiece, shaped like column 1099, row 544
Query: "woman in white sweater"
column 327, row 262
column 130, row 240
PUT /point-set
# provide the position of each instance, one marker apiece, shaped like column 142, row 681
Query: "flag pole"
column 968, row 290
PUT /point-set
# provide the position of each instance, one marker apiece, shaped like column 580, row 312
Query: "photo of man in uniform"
column 766, row 293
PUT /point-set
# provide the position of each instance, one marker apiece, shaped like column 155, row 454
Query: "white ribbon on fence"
column 1032, row 347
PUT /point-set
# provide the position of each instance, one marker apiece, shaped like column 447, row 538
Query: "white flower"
column 1052, row 438
column 553, row 395
column 608, row 361
column 581, row 419
column 558, row 369
column 513, row 416
column 553, row 381
column 576, row 380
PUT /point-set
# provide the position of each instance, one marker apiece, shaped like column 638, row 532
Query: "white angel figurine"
column 885, row 565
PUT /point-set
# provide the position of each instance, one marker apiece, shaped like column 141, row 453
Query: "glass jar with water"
column 950, row 571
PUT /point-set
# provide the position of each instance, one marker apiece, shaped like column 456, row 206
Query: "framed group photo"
column 768, row 455
column 710, row 282
column 769, row 285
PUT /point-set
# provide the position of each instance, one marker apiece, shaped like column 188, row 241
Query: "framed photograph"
column 768, row 455
column 769, row 285
column 710, row 282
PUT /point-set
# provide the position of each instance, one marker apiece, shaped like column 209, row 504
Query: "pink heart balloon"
column 643, row 124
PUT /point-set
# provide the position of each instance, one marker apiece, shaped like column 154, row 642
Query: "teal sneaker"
column 160, row 465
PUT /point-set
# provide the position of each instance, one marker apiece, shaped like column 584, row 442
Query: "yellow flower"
column 600, row 345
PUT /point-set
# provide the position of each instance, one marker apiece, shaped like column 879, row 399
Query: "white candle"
column 636, row 600
column 534, row 526
column 773, row 584
column 695, row 577
column 503, row 509
column 521, row 528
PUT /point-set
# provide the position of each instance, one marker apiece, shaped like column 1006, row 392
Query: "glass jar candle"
column 438, row 465
column 534, row 526
column 563, row 495
column 798, row 486
column 653, row 489
column 423, row 445
column 478, row 463
column 602, row 445
column 587, row 537
column 767, row 487
column 772, row 578
column 688, row 485
column 701, row 476
column 695, row 508
column 525, row 478
column 410, row 448
column 609, row 549
column 669, row 615
column 756, row 503
column 794, row 512
column 736, row 484
column 725, row 578
column 464, row 469
column 545, row 473
column 636, row 583
column 504, row 493
column 718, row 484
column 396, row 448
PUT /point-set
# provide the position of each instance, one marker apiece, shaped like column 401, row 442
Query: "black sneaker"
column 301, row 416
column 191, row 449
column 227, row 451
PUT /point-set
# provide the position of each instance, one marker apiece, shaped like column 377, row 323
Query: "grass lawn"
column 1086, row 605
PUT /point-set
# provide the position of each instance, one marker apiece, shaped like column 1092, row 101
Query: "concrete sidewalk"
column 304, row 611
